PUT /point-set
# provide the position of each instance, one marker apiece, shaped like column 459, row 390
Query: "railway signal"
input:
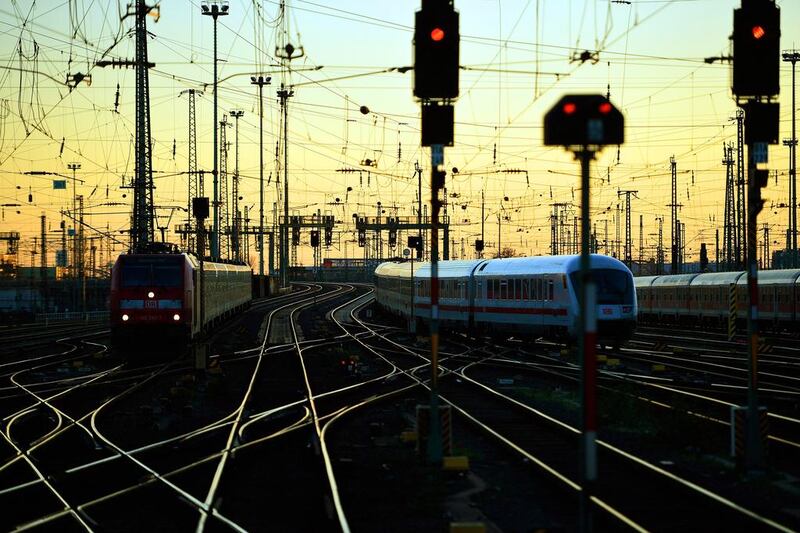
column 756, row 48
column 583, row 120
column 436, row 48
column 756, row 63
column 436, row 69
column 314, row 238
column 584, row 124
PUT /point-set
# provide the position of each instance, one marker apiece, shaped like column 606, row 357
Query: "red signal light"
column 605, row 108
column 437, row 34
column 569, row 108
column 758, row 32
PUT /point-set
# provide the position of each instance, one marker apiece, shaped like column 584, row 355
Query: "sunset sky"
column 516, row 58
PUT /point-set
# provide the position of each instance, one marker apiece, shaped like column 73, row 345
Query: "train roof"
column 765, row 277
column 674, row 280
column 515, row 266
column 549, row 264
column 716, row 278
column 459, row 268
column 644, row 281
column 775, row 277
column 396, row 269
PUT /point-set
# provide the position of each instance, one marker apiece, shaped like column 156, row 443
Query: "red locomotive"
column 157, row 296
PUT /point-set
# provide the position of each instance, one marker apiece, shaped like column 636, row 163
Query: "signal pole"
column 756, row 86
column 260, row 81
column 215, row 9
column 584, row 124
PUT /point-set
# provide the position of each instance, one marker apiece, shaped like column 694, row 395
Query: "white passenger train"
column 525, row 296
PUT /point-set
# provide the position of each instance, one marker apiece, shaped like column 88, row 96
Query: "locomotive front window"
column 158, row 273
column 614, row 287
column 167, row 276
column 135, row 275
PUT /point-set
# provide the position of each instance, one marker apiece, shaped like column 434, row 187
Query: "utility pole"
column 195, row 184
column 143, row 215
column 260, row 81
column 43, row 260
column 765, row 247
column 237, row 251
column 628, row 234
column 284, row 94
column 483, row 220
column 741, row 207
column 81, row 254
column 660, row 249
column 618, row 242
column 641, row 243
column 74, row 167
column 498, row 235
column 730, row 231
column 215, row 9
column 143, row 219
column 676, row 225
column 223, row 218
column 792, row 56
column 421, row 249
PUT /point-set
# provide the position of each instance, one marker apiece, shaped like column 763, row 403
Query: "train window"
column 614, row 287
column 135, row 275
column 489, row 289
column 161, row 272
column 504, row 290
column 526, row 289
column 550, row 288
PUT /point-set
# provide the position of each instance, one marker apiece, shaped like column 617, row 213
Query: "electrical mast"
column 676, row 224
column 729, row 224
column 628, row 234
column 195, row 183
column 740, row 241
column 142, row 227
column 223, row 229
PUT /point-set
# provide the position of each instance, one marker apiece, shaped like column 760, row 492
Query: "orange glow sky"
column 651, row 56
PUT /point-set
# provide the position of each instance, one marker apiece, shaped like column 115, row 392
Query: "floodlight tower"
column 215, row 9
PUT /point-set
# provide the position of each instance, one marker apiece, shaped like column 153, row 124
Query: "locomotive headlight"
column 125, row 318
column 151, row 294
column 176, row 317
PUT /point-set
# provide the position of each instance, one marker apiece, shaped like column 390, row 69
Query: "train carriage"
column 528, row 296
column 707, row 297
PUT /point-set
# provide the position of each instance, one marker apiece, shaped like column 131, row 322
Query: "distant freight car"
column 526, row 296
column 157, row 296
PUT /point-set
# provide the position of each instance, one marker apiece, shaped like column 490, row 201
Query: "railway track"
column 632, row 513
column 120, row 467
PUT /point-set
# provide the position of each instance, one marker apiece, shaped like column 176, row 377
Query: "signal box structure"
column 583, row 120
